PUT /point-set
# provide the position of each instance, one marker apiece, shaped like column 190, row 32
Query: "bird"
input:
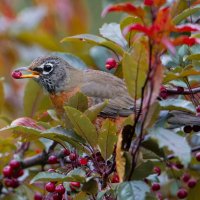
column 62, row 81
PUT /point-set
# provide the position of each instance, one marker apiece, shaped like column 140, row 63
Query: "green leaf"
column 132, row 190
column 78, row 101
column 90, row 186
column 174, row 142
column 81, row 196
column 94, row 111
column 107, row 138
column 82, row 125
column 112, row 32
column 194, row 192
column 135, row 70
column 143, row 170
column 34, row 99
column 177, row 104
column 1, row 95
column 95, row 40
column 76, row 175
column 184, row 14
column 192, row 57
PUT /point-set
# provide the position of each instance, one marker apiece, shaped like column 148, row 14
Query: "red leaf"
column 187, row 28
column 28, row 122
column 148, row 2
column 137, row 27
column 185, row 40
column 124, row 7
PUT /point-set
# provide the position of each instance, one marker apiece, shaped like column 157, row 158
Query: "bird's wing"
column 99, row 86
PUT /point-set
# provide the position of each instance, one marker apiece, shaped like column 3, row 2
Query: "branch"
column 185, row 92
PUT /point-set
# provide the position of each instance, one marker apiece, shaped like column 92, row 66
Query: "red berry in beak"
column 16, row 74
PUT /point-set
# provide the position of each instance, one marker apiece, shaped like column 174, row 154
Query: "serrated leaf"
column 112, row 32
column 184, row 14
column 174, row 142
column 95, row 40
column 135, row 70
column 34, row 99
column 177, row 104
column 132, row 190
column 82, row 125
column 94, row 111
column 107, row 138
column 76, row 175
column 78, row 101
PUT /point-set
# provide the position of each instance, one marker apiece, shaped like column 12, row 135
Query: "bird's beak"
column 18, row 73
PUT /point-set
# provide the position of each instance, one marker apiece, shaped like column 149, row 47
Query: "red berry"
column 179, row 166
column 163, row 92
column 187, row 129
column 182, row 193
column 18, row 173
column 111, row 63
column 197, row 156
column 148, row 2
column 50, row 187
column 75, row 184
column 157, row 170
column 66, row 152
column 198, row 109
column 192, row 182
column 13, row 183
column 196, row 128
column 16, row 74
column 57, row 196
column 185, row 178
column 7, row 171
column 52, row 159
column 72, row 156
column 115, row 178
column 60, row 189
column 15, row 164
column 38, row 196
column 83, row 161
column 155, row 187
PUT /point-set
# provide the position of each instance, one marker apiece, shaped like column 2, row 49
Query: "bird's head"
column 48, row 71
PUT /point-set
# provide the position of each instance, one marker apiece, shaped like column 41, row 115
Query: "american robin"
column 62, row 81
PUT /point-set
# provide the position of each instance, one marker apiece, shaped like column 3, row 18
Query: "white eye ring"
column 47, row 68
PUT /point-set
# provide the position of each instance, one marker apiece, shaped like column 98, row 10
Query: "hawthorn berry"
column 192, row 182
column 83, row 161
column 38, row 196
column 18, row 173
column 72, row 156
column 115, row 178
column 13, row 183
column 187, row 129
column 7, row 171
column 179, row 166
column 52, row 159
column 50, row 187
column 74, row 185
column 155, row 187
column 182, row 193
column 60, row 189
column 185, row 177
column 197, row 156
column 198, row 109
column 15, row 164
column 111, row 63
column 196, row 128
column 66, row 152
column 157, row 170
column 163, row 92
column 16, row 74
column 56, row 196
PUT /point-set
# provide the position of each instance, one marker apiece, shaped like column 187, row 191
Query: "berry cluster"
column 11, row 172
column 189, row 129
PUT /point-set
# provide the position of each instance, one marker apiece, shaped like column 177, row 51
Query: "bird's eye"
column 48, row 68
